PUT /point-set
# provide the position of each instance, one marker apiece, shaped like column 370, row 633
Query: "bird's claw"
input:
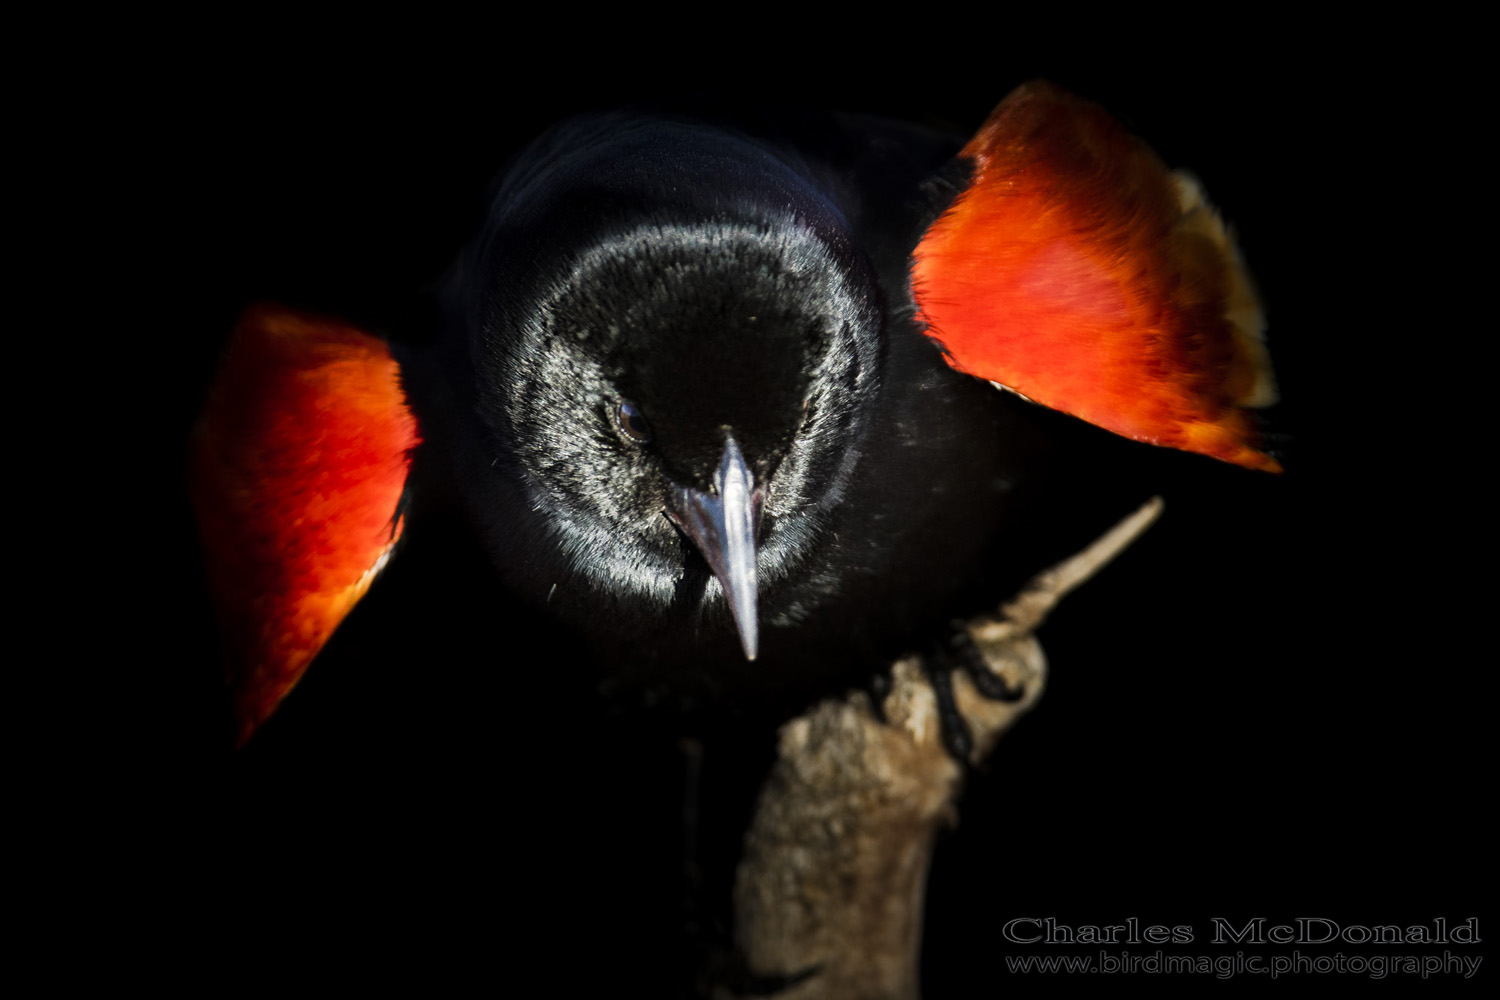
column 957, row 651
column 991, row 685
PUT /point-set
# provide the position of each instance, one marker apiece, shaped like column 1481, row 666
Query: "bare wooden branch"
column 835, row 863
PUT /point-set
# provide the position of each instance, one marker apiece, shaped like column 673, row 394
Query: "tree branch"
column 835, row 864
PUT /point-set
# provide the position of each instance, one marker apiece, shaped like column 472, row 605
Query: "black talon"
column 944, row 655
column 956, row 735
column 986, row 682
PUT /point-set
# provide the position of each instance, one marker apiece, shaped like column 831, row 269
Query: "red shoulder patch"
column 1078, row 271
column 298, row 466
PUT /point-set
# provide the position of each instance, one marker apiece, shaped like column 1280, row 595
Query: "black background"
column 1263, row 709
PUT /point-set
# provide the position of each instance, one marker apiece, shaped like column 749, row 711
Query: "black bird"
column 679, row 384
column 685, row 394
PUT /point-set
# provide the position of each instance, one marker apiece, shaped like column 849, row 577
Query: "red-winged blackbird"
column 689, row 440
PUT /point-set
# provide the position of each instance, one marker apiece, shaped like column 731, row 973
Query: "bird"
column 729, row 407
column 701, row 385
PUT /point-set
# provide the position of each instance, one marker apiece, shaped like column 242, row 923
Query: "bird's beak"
column 722, row 524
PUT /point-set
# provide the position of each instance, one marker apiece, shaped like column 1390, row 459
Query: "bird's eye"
column 632, row 422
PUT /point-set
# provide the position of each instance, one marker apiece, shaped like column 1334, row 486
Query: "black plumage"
column 646, row 285
column 1232, row 725
column 461, row 699
column 724, row 277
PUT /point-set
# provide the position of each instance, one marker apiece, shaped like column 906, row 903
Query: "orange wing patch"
column 298, row 466
column 1078, row 271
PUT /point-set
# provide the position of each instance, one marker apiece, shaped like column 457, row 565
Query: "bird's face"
column 678, row 401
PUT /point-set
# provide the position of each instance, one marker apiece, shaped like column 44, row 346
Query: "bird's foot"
column 955, row 650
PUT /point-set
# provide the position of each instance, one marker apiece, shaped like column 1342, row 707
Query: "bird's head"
column 674, row 378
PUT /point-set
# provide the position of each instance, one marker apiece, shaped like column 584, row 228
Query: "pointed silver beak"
column 722, row 524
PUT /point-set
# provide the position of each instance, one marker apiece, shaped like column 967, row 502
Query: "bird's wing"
column 1076, row 270
column 299, row 464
